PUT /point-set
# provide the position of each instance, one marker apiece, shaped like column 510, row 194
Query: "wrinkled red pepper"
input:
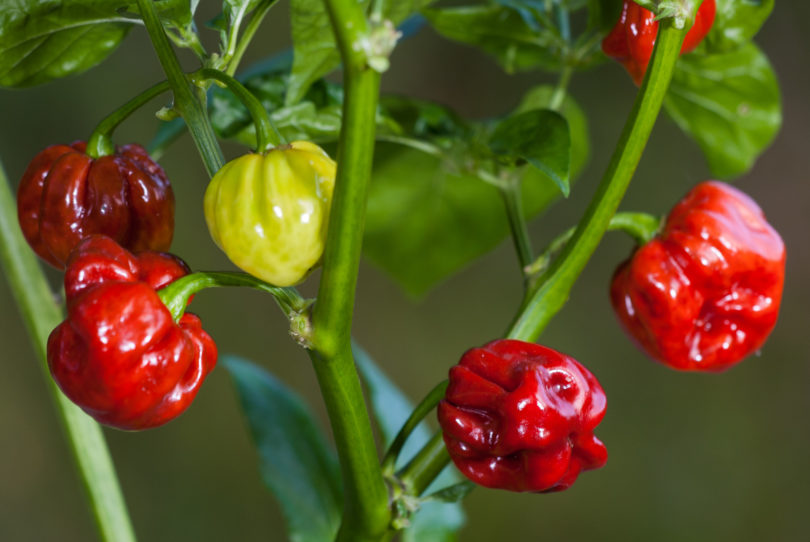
column 119, row 355
column 632, row 39
column 705, row 293
column 520, row 416
column 65, row 195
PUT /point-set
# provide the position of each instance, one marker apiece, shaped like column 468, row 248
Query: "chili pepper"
column 269, row 212
column 520, row 416
column 65, row 195
column 119, row 355
column 632, row 39
column 705, row 292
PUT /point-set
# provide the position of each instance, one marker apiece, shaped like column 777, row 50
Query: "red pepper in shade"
column 119, row 355
column 705, row 292
column 65, row 195
column 520, row 416
column 632, row 39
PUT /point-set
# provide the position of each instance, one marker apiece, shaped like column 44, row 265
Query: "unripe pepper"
column 65, row 195
column 269, row 212
column 632, row 40
column 520, row 416
column 119, row 355
column 705, row 292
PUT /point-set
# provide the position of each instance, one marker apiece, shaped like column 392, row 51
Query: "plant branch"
column 517, row 223
column 425, row 466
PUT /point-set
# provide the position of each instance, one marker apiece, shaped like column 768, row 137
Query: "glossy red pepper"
column 705, row 293
column 119, row 355
column 632, row 39
column 520, row 416
column 65, row 195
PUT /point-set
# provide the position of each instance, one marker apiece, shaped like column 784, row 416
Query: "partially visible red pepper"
column 119, row 355
column 705, row 293
column 65, row 195
column 520, row 416
column 632, row 39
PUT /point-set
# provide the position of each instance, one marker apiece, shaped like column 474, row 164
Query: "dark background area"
column 692, row 457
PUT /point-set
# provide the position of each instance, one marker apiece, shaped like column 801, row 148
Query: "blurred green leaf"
column 603, row 14
column 296, row 462
column 736, row 22
column 435, row 521
column 41, row 41
column 503, row 32
column 541, row 138
column 729, row 104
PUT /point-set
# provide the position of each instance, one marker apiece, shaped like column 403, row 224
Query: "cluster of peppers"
column 702, row 295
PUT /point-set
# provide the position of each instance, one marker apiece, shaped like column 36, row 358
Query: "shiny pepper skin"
column 65, row 195
column 269, row 212
column 119, row 355
column 632, row 39
column 705, row 292
column 520, row 416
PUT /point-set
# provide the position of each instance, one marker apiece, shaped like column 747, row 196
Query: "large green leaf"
column 41, row 40
column 736, row 22
column 435, row 521
column 507, row 33
column 729, row 104
column 296, row 462
column 315, row 49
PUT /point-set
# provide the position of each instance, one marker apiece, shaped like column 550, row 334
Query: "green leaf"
column 454, row 493
column 41, row 41
column 435, row 521
column 502, row 32
column 296, row 462
column 541, row 138
column 315, row 49
column 729, row 104
column 736, row 22
column 603, row 14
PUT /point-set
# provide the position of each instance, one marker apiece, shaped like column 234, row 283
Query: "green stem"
column 422, row 409
column 561, row 89
column 554, row 286
column 366, row 514
column 520, row 234
column 41, row 314
column 186, row 102
column 267, row 136
column 100, row 142
column 247, row 36
column 426, row 465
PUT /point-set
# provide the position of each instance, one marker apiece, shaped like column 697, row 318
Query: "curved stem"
column 422, row 409
column 554, row 286
column 426, row 465
column 247, row 36
column 517, row 223
column 267, row 136
column 100, row 142
column 365, row 514
column 41, row 314
column 188, row 105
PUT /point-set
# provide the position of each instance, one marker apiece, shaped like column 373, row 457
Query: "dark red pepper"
column 705, row 293
column 520, row 416
column 119, row 355
column 65, row 195
column 632, row 39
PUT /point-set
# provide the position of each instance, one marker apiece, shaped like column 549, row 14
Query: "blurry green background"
column 692, row 457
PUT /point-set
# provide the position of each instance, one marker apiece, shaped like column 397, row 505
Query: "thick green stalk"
column 555, row 284
column 190, row 108
column 41, row 314
column 366, row 514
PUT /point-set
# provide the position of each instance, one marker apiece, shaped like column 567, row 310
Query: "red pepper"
column 632, row 39
column 119, row 355
column 520, row 416
column 705, row 293
column 65, row 195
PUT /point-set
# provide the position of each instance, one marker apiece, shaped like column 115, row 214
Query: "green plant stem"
column 41, row 314
column 267, row 136
column 425, row 466
column 554, row 286
column 561, row 89
column 247, row 36
column 186, row 102
column 366, row 513
column 100, row 142
column 422, row 409
column 517, row 223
